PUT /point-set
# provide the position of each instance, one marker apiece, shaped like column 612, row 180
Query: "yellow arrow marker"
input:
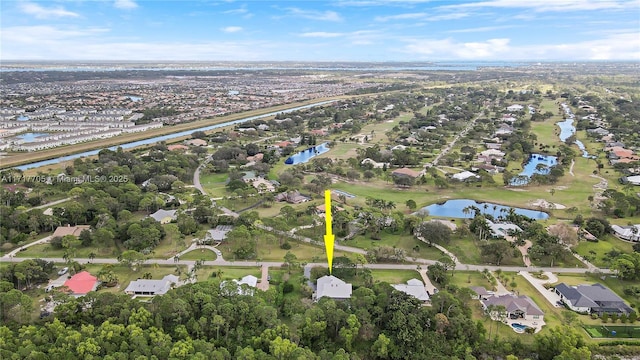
column 328, row 237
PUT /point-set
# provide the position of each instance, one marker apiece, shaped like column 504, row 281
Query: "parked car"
column 63, row 271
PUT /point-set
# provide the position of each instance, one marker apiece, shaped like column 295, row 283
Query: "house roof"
column 413, row 287
column 406, row 172
column 513, row 303
column 70, row 230
column 593, row 296
column 248, row 280
column 157, row 287
column 464, row 175
column 332, row 287
column 219, row 233
column 81, row 283
column 480, row 290
column 163, row 214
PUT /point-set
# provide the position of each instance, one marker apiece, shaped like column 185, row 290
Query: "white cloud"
column 321, row 34
column 314, row 15
column 41, row 12
column 231, row 29
column 623, row 46
column 125, row 4
column 407, row 16
column 551, row 5
column 481, row 29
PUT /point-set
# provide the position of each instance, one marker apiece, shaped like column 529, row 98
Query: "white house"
column 244, row 286
column 515, row 107
column 332, row 287
column 631, row 233
column 415, row 288
column 152, row 287
column 464, row 176
column 501, row 230
column 634, row 180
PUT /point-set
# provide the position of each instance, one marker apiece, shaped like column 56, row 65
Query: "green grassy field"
column 403, row 241
column 595, row 251
column 394, row 276
column 606, row 331
column 199, row 254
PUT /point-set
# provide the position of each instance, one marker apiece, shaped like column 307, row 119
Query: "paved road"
column 49, row 204
column 455, row 139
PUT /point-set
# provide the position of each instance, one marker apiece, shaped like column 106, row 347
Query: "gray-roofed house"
column 481, row 292
column 152, row 287
column 218, row 234
column 164, row 216
column 592, row 299
column 501, row 230
column 516, row 307
column 332, row 287
column 415, row 288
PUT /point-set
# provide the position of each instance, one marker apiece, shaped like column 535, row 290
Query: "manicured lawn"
column 465, row 279
column 199, row 254
column 48, row 251
column 595, row 251
column 227, row 272
column 403, row 241
column 214, row 184
column 394, row 276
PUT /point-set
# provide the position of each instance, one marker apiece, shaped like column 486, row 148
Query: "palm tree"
column 92, row 256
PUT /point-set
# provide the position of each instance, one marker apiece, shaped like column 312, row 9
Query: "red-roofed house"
column 81, row 283
column 284, row 144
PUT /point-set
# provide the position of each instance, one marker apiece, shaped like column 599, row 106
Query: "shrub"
column 287, row 287
column 285, row 246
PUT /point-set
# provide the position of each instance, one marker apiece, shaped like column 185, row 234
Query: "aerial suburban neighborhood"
column 499, row 203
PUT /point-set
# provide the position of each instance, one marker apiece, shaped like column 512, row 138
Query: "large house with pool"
column 518, row 311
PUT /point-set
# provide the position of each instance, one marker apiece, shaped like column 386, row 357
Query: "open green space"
column 613, row 332
column 402, row 241
column 199, row 254
column 596, row 252
column 48, row 251
column 394, row 276
column 227, row 272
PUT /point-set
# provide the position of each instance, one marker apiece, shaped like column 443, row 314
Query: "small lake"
column 30, row 137
column 307, row 154
column 531, row 167
column 453, row 209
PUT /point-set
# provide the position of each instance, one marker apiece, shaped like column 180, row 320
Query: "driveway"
column 264, row 280
column 551, row 296
column 427, row 282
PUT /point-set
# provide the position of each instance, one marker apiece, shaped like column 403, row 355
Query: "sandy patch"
column 544, row 204
column 516, row 189
column 389, row 121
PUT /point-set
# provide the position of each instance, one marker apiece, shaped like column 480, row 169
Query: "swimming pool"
column 346, row 194
column 519, row 327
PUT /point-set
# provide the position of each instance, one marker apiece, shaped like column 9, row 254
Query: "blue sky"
column 347, row 30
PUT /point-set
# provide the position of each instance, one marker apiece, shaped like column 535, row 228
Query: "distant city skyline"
column 349, row 30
